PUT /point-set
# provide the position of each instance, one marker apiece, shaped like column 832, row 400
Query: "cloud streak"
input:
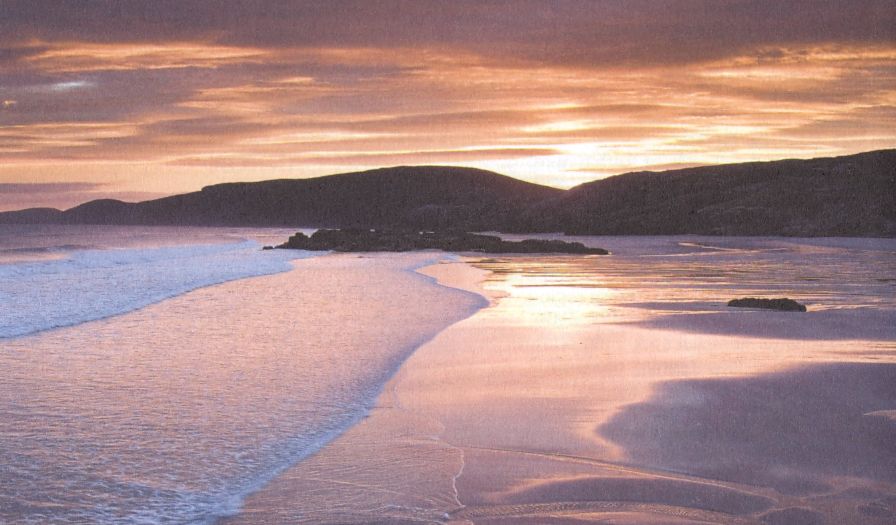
column 554, row 92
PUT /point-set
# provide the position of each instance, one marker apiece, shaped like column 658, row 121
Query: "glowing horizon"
column 167, row 98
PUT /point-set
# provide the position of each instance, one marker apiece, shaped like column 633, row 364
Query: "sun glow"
column 212, row 102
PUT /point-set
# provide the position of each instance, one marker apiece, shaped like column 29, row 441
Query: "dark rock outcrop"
column 361, row 240
column 783, row 304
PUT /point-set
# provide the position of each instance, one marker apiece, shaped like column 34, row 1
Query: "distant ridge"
column 432, row 197
column 852, row 195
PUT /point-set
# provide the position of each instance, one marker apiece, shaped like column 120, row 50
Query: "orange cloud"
column 305, row 108
column 81, row 57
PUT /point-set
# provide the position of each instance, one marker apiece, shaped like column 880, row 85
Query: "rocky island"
column 371, row 240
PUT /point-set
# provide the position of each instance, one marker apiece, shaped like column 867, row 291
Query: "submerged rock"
column 782, row 304
column 361, row 240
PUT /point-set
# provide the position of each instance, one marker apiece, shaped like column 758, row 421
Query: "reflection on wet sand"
column 712, row 418
column 564, row 403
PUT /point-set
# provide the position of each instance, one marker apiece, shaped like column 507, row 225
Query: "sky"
column 135, row 100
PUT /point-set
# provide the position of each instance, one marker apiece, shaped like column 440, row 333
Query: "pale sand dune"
column 550, row 407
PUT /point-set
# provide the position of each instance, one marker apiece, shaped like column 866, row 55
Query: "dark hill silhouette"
column 848, row 196
column 841, row 196
column 32, row 216
column 431, row 197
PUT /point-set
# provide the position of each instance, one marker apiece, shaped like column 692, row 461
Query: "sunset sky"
column 137, row 99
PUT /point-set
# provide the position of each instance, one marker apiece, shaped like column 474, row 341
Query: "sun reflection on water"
column 552, row 298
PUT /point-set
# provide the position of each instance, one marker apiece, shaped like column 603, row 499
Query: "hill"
column 430, row 197
column 841, row 196
column 32, row 216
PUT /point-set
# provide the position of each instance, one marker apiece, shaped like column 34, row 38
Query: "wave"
column 92, row 284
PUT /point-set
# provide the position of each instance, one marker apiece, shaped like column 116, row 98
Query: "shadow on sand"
column 790, row 430
column 832, row 325
column 819, row 431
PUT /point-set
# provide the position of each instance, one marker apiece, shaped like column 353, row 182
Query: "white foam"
column 94, row 284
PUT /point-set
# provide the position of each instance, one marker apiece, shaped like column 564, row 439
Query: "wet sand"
column 561, row 404
column 562, row 421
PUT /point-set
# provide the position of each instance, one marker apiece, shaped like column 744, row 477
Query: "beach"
column 223, row 384
column 427, row 262
column 578, row 396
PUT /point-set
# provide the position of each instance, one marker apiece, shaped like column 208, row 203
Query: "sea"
column 153, row 375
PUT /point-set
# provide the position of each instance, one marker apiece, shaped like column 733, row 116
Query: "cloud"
column 552, row 91
column 377, row 158
column 606, row 171
column 557, row 32
column 47, row 187
column 85, row 57
column 71, row 85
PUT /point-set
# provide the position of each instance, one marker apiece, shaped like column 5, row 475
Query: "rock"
column 782, row 304
column 363, row 240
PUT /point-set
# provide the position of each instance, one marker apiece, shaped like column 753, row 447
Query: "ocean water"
column 66, row 275
column 154, row 375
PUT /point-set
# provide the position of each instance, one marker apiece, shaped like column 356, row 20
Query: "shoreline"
column 484, row 389
column 175, row 411
column 441, row 270
column 529, row 412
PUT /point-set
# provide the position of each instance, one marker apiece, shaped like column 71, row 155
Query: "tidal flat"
column 623, row 388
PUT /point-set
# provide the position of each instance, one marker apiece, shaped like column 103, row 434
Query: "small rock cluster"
column 782, row 304
column 362, row 240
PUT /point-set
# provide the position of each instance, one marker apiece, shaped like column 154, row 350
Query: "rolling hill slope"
column 429, row 197
column 840, row 196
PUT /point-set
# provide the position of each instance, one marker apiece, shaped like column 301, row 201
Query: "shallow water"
column 689, row 273
column 52, row 276
column 172, row 412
